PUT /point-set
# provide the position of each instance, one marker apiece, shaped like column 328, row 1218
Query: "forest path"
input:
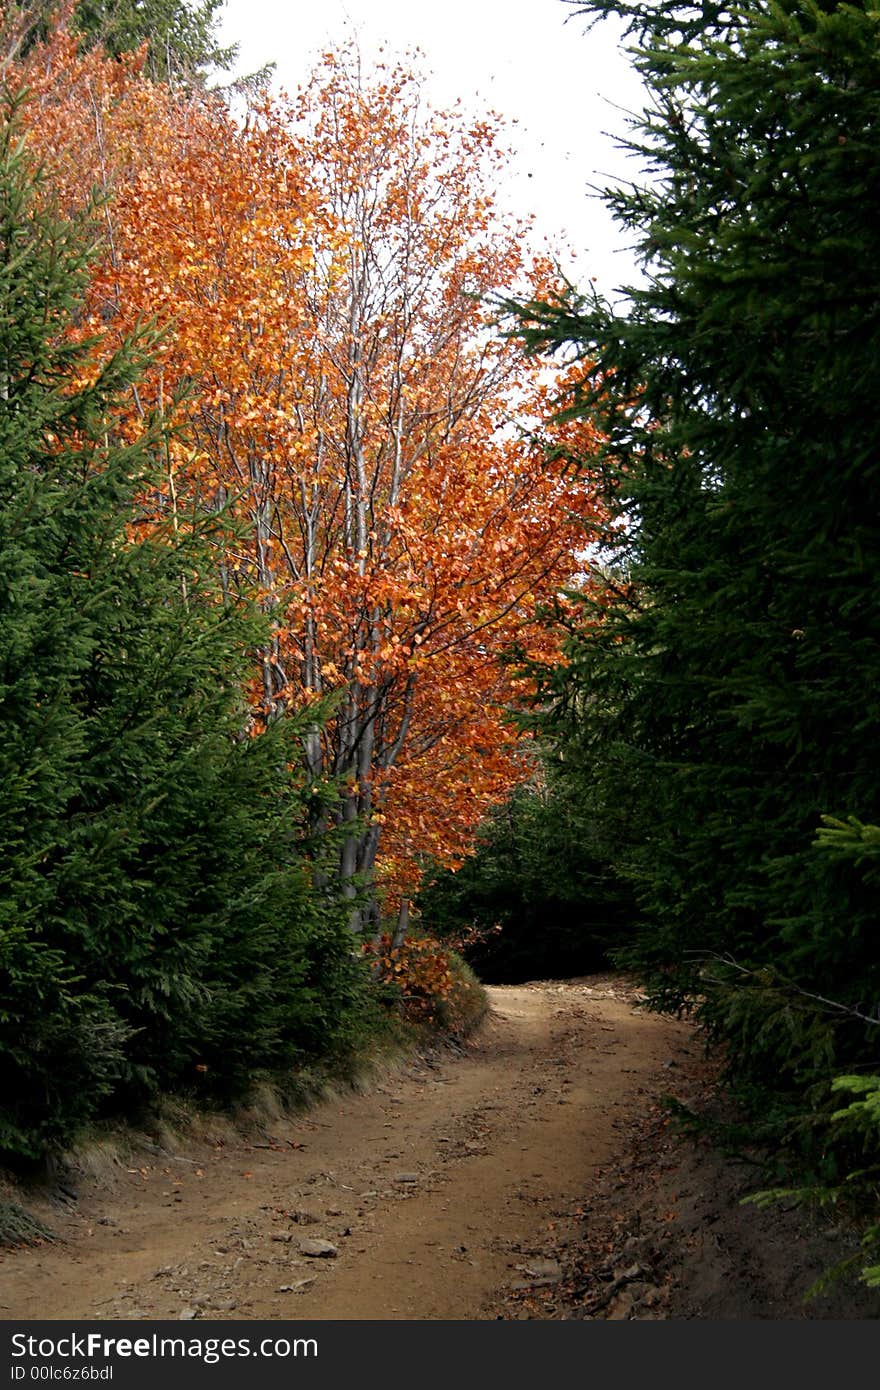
column 454, row 1178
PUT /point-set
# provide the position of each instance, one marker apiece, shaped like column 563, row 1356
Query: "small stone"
column 407, row 1177
column 187, row 1314
column 297, row 1287
column 224, row 1305
column 318, row 1249
column 622, row 1308
column 542, row 1269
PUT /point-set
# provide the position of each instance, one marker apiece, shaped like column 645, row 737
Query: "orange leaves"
column 335, row 381
column 419, row 971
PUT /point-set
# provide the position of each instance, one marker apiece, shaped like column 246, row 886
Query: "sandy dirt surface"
column 534, row 1173
column 446, row 1188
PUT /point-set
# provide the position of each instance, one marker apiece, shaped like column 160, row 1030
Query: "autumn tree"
column 324, row 268
column 419, row 531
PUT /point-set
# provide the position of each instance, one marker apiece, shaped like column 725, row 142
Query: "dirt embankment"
column 529, row 1176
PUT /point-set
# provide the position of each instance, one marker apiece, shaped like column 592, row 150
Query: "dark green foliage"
column 158, row 927
column 540, row 872
column 732, row 699
column 855, row 1124
column 181, row 36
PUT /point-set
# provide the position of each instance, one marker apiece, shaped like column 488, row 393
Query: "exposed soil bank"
column 529, row 1175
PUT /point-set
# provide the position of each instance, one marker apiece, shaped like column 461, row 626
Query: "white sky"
column 525, row 59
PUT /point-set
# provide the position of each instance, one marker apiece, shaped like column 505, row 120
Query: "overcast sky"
column 526, row 59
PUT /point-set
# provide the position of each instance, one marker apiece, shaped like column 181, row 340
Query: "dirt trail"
column 450, row 1181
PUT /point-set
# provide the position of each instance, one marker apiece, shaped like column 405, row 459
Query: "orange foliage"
column 418, row 970
column 321, row 271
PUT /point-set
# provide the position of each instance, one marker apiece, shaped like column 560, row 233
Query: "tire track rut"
column 451, row 1179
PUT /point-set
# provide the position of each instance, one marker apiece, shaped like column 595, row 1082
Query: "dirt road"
column 450, row 1181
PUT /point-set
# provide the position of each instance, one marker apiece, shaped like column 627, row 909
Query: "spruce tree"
column 729, row 699
column 181, row 37
column 533, row 900
column 158, row 927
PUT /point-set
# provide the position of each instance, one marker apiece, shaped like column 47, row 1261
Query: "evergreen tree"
column 181, row 36
column 730, row 696
column 538, row 898
column 158, row 927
